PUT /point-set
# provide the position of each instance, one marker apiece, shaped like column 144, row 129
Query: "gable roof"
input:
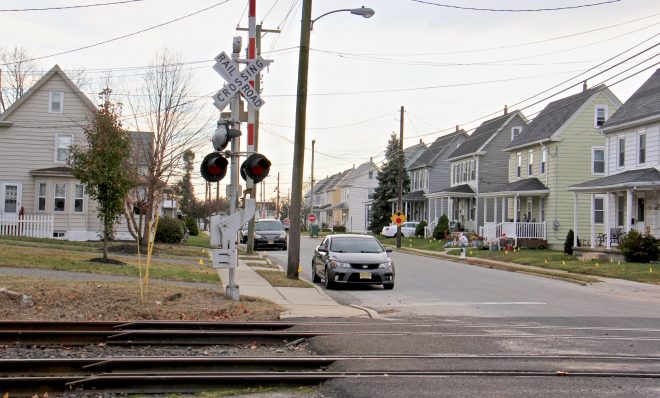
column 411, row 153
column 643, row 105
column 55, row 70
column 553, row 117
column 438, row 146
column 482, row 134
column 348, row 179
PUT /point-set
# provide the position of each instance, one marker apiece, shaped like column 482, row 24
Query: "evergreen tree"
column 184, row 188
column 388, row 186
column 102, row 165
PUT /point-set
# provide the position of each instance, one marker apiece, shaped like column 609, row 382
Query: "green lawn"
column 550, row 259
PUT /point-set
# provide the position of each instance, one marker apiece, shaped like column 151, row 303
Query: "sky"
column 447, row 62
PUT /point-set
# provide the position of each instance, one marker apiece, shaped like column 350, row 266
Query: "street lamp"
column 293, row 262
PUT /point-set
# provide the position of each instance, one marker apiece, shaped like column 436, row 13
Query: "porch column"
column 592, row 218
column 515, row 220
column 629, row 209
column 607, row 220
column 503, row 208
column 495, row 209
column 575, row 219
column 485, row 210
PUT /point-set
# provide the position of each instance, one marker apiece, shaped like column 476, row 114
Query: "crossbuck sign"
column 237, row 81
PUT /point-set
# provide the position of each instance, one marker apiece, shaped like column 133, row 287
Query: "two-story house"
column 357, row 188
column 476, row 165
column 557, row 149
column 412, row 202
column 430, row 174
column 627, row 196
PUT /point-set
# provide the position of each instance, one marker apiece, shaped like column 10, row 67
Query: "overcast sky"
column 447, row 66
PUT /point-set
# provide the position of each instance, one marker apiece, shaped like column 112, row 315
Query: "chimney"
column 371, row 159
column 420, row 141
column 506, row 109
column 457, row 128
column 584, row 86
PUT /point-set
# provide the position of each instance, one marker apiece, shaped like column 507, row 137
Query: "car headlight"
column 386, row 265
column 339, row 264
column 282, row 236
column 257, row 236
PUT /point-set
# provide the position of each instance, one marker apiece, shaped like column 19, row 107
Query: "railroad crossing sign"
column 398, row 218
column 237, row 81
column 311, row 218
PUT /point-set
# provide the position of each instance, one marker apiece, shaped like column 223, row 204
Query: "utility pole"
column 400, row 191
column 293, row 261
column 253, row 121
column 277, row 205
column 312, row 205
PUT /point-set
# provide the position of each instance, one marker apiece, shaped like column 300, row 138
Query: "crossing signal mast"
column 215, row 166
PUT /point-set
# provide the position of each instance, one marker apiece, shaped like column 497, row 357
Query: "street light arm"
column 363, row 11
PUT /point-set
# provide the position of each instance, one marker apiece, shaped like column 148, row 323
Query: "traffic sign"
column 398, row 218
column 311, row 218
column 237, row 81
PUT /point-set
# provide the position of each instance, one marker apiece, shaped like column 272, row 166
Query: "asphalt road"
column 435, row 287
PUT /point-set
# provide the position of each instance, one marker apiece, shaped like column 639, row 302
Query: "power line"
column 121, row 37
column 516, row 9
column 69, row 7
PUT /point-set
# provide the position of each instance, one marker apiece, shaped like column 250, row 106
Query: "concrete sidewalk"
column 297, row 302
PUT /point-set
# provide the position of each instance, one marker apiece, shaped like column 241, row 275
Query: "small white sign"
column 223, row 258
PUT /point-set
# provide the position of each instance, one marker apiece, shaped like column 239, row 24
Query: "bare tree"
column 17, row 74
column 165, row 112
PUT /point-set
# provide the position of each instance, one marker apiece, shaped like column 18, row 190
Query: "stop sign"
column 311, row 218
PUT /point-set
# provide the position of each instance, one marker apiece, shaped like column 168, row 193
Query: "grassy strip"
column 262, row 265
column 257, row 391
column 414, row 243
column 279, row 279
column 57, row 259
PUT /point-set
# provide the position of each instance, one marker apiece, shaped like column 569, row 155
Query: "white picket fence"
column 32, row 225
column 519, row 230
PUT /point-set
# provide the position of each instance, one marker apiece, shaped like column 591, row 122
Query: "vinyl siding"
column 632, row 145
column 359, row 199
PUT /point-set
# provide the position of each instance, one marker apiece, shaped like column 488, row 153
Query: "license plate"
column 365, row 275
column 270, row 242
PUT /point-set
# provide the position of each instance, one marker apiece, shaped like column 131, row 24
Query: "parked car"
column 352, row 259
column 269, row 233
column 286, row 224
column 407, row 229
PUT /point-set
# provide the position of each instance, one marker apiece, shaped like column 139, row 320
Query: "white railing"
column 520, row 230
column 428, row 230
column 32, row 225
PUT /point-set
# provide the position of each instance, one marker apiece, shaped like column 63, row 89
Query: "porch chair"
column 615, row 233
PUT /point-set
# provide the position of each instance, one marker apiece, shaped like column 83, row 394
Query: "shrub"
column 639, row 248
column 442, row 229
column 191, row 224
column 419, row 229
column 568, row 243
column 170, row 230
column 339, row 228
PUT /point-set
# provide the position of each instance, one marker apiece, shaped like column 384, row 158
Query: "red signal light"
column 255, row 167
column 214, row 167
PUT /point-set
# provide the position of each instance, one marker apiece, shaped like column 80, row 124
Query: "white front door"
column 10, row 194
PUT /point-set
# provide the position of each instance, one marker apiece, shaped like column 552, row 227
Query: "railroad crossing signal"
column 398, row 218
column 237, row 81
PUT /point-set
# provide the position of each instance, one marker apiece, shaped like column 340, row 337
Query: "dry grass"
column 279, row 279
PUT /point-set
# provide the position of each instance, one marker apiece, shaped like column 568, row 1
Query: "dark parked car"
column 352, row 259
column 269, row 233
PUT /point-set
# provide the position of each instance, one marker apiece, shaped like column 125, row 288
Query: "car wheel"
column 283, row 247
column 328, row 283
column 388, row 286
column 315, row 277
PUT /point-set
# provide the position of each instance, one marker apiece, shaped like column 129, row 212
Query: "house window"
column 597, row 160
column 55, row 102
column 371, row 175
column 472, row 202
column 519, row 165
column 599, row 210
column 370, row 193
column 622, row 151
column 41, row 197
column 530, row 163
column 463, row 172
column 544, row 159
column 63, row 144
column 78, row 199
column 641, row 153
column 60, row 197
column 473, row 171
column 620, row 210
column 640, row 209
column 600, row 115
column 515, row 132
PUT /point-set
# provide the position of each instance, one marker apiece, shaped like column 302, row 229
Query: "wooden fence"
column 32, row 225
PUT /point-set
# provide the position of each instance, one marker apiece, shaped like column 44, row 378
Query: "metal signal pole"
column 400, row 190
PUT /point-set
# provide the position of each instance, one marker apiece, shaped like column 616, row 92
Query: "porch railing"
column 518, row 230
column 32, row 225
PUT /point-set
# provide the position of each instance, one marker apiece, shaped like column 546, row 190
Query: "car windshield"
column 270, row 225
column 355, row 245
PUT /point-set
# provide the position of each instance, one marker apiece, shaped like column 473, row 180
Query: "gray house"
column 478, row 164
